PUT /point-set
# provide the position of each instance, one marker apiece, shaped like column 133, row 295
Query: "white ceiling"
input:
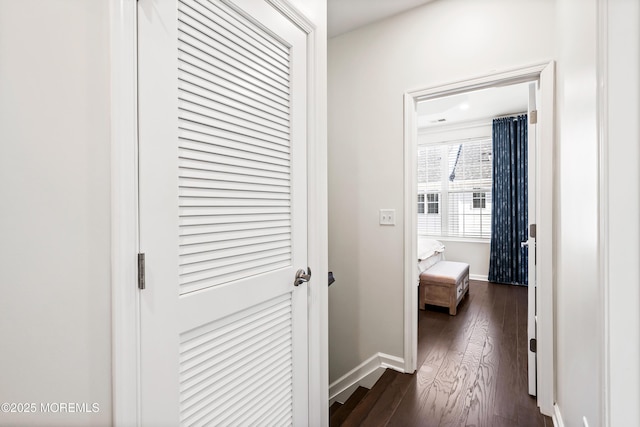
column 346, row 15
column 473, row 106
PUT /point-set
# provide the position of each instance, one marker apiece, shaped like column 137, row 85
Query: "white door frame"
column 124, row 217
column 546, row 237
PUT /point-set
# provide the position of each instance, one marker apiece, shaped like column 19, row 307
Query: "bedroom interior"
column 448, row 122
column 473, row 182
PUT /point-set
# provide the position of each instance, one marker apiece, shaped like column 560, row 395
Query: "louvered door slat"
column 233, row 219
column 278, row 416
column 194, row 59
column 240, row 111
column 233, row 51
column 190, row 89
column 265, row 381
column 209, row 349
column 239, row 130
column 265, row 408
column 200, row 73
column 187, row 163
column 226, row 405
column 209, row 193
column 238, row 24
column 240, row 264
column 214, row 161
column 211, row 331
column 210, row 83
column 204, row 268
column 225, row 25
column 191, row 211
column 200, row 132
column 217, row 360
column 189, row 202
column 211, row 155
column 188, row 182
column 230, row 273
column 236, row 121
column 215, row 389
column 215, row 372
column 204, row 175
column 201, row 252
column 254, row 149
column 206, row 141
column 235, row 235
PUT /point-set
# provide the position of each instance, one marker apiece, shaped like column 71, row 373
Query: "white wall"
column 578, row 317
column 476, row 254
column 622, row 180
column 55, row 216
column 369, row 70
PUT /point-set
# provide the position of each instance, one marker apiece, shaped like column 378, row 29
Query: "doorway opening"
column 438, row 123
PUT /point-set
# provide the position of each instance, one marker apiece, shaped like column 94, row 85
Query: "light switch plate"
column 387, row 217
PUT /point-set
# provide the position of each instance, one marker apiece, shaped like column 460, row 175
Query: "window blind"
column 456, row 180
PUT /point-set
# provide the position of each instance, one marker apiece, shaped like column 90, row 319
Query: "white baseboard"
column 557, row 416
column 365, row 374
column 393, row 362
column 478, row 277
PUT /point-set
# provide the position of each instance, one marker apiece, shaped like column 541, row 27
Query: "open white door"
column 223, row 214
column 541, row 177
column 531, row 243
column 545, row 240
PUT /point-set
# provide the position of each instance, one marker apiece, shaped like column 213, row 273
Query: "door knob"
column 302, row 276
column 524, row 244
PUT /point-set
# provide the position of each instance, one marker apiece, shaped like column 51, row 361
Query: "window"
column 433, row 203
column 454, row 180
column 479, row 200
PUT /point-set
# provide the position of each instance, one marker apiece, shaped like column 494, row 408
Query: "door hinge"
column 532, row 230
column 141, row 283
column 533, row 345
column 533, row 117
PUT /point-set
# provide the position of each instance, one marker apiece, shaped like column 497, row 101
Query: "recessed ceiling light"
column 464, row 106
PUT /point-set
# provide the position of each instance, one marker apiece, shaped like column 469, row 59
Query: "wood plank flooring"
column 472, row 370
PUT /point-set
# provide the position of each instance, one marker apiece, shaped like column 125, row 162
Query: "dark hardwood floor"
column 472, row 370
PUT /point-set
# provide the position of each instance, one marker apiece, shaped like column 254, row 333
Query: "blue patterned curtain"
column 508, row 262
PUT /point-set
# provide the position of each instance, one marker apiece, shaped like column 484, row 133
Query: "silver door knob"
column 524, row 244
column 302, row 276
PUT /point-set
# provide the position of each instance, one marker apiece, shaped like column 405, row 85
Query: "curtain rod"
column 514, row 115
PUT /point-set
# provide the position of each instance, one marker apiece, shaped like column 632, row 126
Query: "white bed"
column 430, row 252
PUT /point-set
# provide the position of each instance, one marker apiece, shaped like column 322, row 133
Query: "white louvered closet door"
column 223, row 220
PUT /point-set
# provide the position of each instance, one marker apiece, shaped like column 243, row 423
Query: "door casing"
column 543, row 73
column 124, row 215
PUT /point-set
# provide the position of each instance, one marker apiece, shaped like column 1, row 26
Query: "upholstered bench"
column 444, row 285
